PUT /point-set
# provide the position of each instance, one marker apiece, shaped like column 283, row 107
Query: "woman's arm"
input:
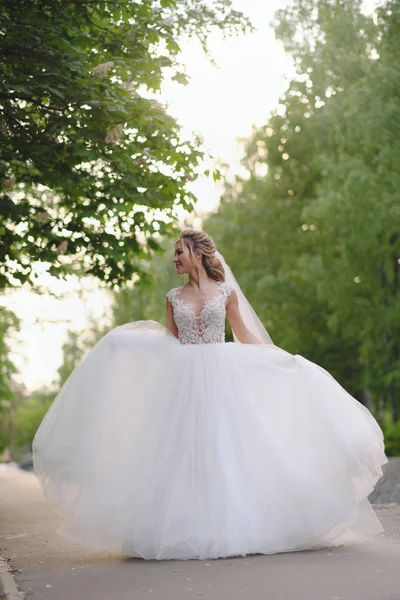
column 171, row 325
column 236, row 322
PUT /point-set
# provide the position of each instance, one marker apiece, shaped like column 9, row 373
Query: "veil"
column 247, row 313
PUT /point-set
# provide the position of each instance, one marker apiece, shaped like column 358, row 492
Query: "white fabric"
column 166, row 450
column 206, row 328
column 250, row 318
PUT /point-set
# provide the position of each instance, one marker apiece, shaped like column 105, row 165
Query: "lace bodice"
column 206, row 328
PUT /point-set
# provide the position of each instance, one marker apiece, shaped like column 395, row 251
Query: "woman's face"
column 182, row 259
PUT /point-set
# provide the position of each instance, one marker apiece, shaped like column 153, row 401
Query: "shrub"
column 392, row 439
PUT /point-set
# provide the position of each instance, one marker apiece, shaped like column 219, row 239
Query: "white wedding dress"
column 196, row 448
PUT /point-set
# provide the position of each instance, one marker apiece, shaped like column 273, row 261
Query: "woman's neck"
column 198, row 279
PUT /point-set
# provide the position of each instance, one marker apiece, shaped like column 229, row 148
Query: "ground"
column 46, row 566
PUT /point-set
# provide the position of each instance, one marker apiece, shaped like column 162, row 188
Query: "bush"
column 392, row 439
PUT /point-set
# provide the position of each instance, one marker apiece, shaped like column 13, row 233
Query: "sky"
column 221, row 103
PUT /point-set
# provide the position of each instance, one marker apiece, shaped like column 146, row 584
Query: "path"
column 52, row 568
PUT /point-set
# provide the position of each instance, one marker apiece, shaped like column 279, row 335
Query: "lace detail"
column 209, row 326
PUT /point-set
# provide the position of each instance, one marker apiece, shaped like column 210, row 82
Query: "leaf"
column 181, row 78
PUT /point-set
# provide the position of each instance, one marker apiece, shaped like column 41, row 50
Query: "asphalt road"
column 46, row 566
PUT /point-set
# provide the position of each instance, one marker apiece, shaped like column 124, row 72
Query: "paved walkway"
column 46, row 566
column 388, row 489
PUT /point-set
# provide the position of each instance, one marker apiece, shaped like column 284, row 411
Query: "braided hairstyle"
column 198, row 241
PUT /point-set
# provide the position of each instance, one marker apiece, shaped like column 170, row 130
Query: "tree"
column 145, row 299
column 8, row 324
column 77, row 344
column 91, row 165
column 315, row 240
column 355, row 211
column 27, row 416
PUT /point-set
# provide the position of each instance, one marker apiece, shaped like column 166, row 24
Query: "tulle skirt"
column 168, row 451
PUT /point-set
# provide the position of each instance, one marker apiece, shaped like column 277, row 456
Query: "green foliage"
column 146, row 299
column 77, row 344
column 392, row 439
column 28, row 416
column 26, row 411
column 141, row 301
column 8, row 323
column 312, row 233
column 91, row 165
column 315, row 241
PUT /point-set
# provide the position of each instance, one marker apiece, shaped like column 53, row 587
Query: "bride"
column 168, row 443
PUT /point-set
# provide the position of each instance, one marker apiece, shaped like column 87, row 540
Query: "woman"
column 170, row 443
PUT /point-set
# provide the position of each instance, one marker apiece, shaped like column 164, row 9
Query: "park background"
column 117, row 129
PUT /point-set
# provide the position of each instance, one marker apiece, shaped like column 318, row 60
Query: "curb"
column 8, row 587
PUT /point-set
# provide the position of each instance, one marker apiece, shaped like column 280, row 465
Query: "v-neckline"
column 198, row 317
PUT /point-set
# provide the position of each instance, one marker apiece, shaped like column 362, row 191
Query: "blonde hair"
column 199, row 241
